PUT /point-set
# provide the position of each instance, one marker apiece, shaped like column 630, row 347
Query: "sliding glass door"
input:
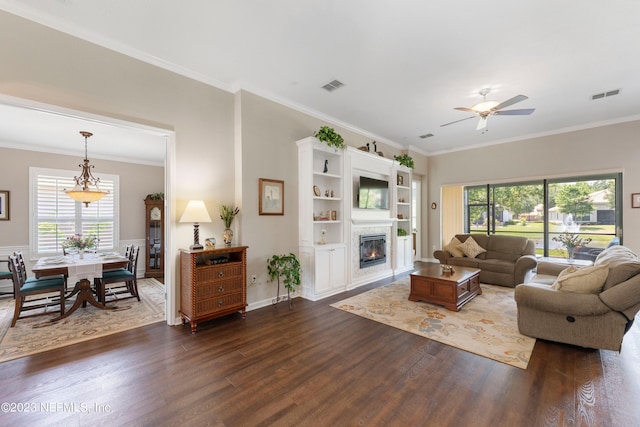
column 586, row 209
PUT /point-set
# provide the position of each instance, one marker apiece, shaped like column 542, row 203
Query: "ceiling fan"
column 486, row 108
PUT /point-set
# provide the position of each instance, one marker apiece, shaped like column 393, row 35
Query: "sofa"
column 504, row 260
column 590, row 307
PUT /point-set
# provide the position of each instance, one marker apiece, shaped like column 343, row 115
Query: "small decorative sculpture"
column 332, row 193
column 368, row 148
column 375, row 147
column 326, row 166
column 323, row 240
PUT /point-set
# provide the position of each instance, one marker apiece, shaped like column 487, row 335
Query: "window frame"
column 34, row 173
column 546, row 182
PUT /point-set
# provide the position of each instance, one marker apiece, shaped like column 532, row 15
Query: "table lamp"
column 195, row 212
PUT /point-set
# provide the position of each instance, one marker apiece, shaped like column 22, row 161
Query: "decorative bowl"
column 446, row 269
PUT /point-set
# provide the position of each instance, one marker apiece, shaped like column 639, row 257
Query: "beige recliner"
column 598, row 319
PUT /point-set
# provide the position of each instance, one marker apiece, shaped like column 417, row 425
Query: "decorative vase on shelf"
column 227, row 236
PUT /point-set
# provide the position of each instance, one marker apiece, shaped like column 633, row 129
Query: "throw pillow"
column 587, row 280
column 471, row 248
column 452, row 247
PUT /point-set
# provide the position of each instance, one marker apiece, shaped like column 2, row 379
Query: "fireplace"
column 373, row 250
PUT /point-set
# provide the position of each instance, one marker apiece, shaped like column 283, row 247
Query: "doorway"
column 416, row 188
column 48, row 130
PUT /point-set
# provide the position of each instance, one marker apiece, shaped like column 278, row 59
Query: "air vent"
column 332, row 85
column 426, row 135
column 605, row 94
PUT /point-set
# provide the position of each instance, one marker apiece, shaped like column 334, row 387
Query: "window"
column 590, row 207
column 55, row 216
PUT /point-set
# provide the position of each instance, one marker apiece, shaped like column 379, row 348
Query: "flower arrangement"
column 78, row 241
column 571, row 240
column 228, row 213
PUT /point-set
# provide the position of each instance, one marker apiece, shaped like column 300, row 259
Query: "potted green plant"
column 287, row 267
column 404, row 160
column 402, row 232
column 331, row 137
column 227, row 214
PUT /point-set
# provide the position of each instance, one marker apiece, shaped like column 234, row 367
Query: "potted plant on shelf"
column 404, row 160
column 227, row 214
column 287, row 267
column 331, row 137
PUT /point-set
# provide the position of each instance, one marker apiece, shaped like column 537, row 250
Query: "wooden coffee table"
column 451, row 290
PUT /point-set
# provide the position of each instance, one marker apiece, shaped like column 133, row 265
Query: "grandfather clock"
column 154, row 255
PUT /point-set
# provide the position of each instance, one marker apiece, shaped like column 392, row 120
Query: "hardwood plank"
column 317, row 366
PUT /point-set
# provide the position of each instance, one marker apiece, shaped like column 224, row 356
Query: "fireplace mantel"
column 373, row 222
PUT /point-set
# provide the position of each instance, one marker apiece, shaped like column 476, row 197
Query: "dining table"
column 82, row 271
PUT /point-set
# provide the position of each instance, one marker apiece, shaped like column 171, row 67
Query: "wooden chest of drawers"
column 212, row 283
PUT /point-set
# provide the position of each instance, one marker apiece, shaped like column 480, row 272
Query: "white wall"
column 611, row 148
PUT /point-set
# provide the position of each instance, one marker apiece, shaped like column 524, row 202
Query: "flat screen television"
column 373, row 193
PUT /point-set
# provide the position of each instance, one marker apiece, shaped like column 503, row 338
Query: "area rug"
column 36, row 334
column 486, row 326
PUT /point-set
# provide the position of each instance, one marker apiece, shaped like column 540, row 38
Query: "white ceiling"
column 35, row 128
column 405, row 64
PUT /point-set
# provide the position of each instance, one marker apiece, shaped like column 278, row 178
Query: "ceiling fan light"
column 484, row 106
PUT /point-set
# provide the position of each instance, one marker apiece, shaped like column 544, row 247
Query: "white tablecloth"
column 87, row 271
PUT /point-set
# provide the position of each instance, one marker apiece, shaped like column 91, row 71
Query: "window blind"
column 57, row 216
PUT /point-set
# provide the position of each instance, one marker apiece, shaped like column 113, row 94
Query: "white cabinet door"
column 339, row 267
column 404, row 253
column 330, row 269
column 323, row 270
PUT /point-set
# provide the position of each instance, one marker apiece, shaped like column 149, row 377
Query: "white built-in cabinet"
column 330, row 269
column 327, row 179
column 403, row 245
column 321, row 209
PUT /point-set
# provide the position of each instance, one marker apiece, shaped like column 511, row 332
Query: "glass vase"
column 227, row 236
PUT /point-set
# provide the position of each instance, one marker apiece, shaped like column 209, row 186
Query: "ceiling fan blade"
column 468, row 110
column 461, row 120
column 511, row 101
column 523, row 112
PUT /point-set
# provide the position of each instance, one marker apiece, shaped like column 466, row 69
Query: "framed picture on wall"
column 271, row 197
column 4, row 205
column 635, row 200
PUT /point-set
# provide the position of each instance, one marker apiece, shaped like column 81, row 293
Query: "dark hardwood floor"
column 314, row 366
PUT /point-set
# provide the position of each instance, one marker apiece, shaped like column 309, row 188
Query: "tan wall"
column 50, row 67
column 604, row 149
column 136, row 181
column 269, row 132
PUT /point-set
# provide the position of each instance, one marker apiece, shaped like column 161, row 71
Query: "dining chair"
column 6, row 275
column 42, row 288
column 125, row 279
column 26, row 278
column 127, row 254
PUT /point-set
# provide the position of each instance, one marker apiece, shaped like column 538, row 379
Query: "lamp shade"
column 195, row 211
